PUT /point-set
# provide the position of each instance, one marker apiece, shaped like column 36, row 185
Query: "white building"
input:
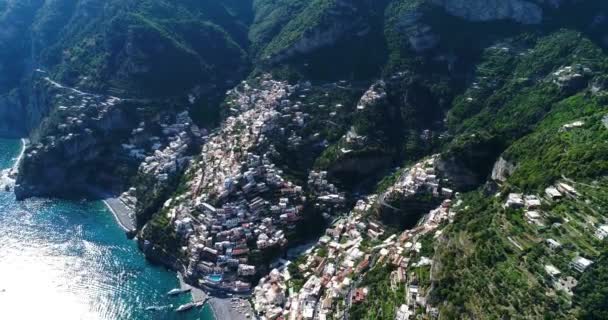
column 580, row 264
column 552, row 270
column 403, row 313
column 246, row 270
column 553, row 244
column 514, row 201
column 553, row 193
column 602, row 232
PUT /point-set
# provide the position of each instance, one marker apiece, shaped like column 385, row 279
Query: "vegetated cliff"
column 510, row 95
column 124, row 48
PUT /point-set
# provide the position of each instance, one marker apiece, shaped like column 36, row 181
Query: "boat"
column 177, row 291
column 185, row 307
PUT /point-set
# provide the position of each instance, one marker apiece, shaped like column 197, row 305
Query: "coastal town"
column 238, row 213
column 324, row 283
column 238, row 210
column 304, row 159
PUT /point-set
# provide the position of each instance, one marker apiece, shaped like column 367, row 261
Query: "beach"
column 222, row 308
column 231, row 308
column 122, row 213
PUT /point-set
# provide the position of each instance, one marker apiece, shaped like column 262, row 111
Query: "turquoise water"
column 70, row 260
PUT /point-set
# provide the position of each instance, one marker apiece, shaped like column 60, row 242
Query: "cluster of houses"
column 78, row 113
column 329, row 198
column 404, row 252
column 329, row 272
column 226, row 153
column 571, row 77
column 531, row 206
column 422, row 177
column 332, row 270
column 168, row 152
column 373, row 95
column 238, row 204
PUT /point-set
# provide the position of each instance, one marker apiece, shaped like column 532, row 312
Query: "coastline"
column 121, row 213
column 20, row 156
column 226, row 308
column 8, row 176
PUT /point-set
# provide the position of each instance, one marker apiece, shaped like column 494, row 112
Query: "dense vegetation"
column 491, row 258
column 377, row 281
column 592, row 290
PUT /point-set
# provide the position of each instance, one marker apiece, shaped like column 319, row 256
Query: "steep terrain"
column 435, row 158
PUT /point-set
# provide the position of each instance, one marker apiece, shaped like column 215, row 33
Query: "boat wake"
column 159, row 308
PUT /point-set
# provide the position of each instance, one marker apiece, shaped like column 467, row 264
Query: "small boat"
column 177, row 291
column 185, row 307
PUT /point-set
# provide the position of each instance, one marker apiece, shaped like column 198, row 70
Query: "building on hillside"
column 552, row 193
column 580, row 264
column 403, row 313
column 514, row 201
column 602, row 232
column 552, row 271
column 553, row 244
column 360, row 295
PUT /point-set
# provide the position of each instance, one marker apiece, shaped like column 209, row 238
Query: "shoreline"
column 8, row 176
column 222, row 308
column 15, row 167
column 121, row 214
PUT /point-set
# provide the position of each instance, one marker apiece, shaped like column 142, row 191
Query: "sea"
column 70, row 260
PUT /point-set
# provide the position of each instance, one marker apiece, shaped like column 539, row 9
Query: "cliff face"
column 74, row 138
column 336, row 20
column 92, row 144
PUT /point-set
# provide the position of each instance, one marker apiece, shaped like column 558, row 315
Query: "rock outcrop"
column 341, row 19
column 502, row 170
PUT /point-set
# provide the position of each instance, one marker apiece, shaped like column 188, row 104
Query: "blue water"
column 70, row 260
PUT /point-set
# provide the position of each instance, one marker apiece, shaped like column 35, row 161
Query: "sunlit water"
column 70, row 260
